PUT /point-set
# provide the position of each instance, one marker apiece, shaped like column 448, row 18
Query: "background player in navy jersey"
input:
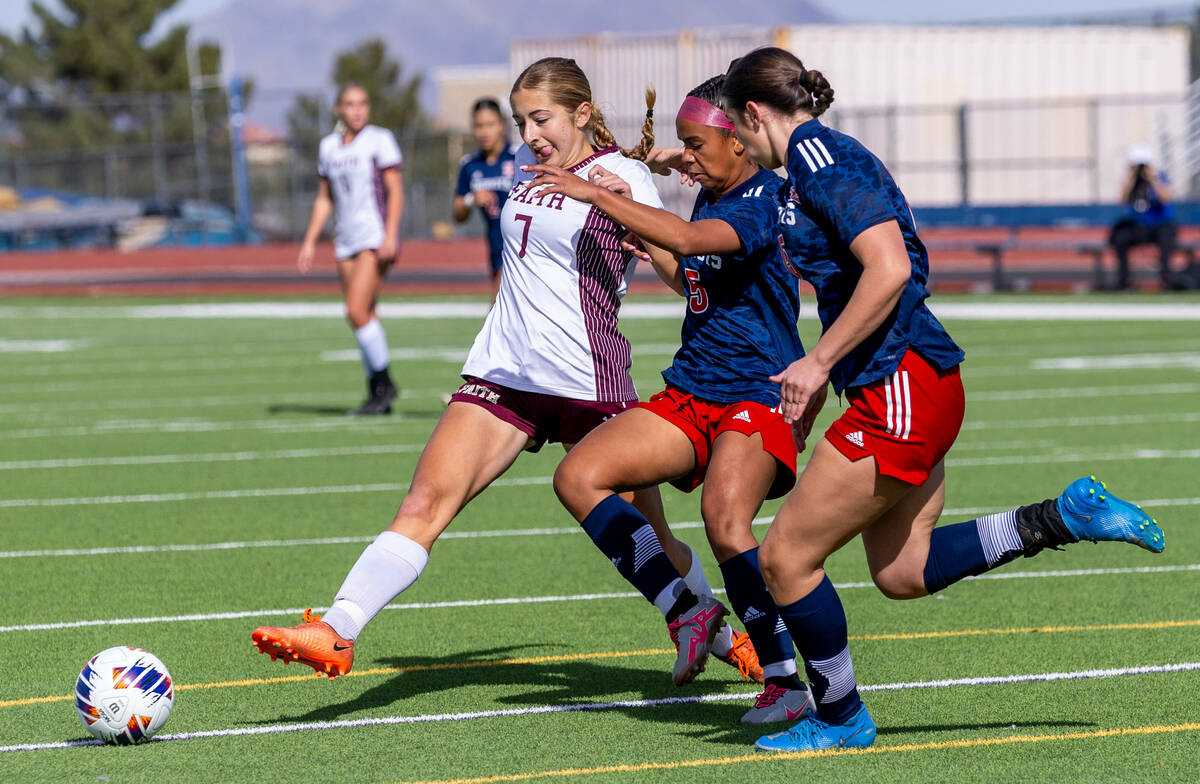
column 718, row 420
column 848, row 231
column 485, row 178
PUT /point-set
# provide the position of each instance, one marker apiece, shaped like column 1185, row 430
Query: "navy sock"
column 817, row 623
column 626, row 537
column 965, row 549
column 753, row 604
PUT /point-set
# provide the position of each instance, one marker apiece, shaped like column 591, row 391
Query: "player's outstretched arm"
column 659, row 227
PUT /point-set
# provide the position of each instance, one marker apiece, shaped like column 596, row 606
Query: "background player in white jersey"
column 548, row 365
column 361, row 184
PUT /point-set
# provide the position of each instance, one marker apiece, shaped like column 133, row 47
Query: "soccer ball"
column 124, row 695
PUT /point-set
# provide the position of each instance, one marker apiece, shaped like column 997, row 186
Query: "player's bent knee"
column 898, row 586
column 420, row 508
column 768, row 564
column 358, row 316
column 576, row 481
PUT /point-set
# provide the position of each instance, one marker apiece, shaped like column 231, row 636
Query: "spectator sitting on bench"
column 1150, row 219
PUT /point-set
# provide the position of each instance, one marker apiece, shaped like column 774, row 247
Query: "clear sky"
column 15, row 13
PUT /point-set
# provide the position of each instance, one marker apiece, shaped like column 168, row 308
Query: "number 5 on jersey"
column 697, row 296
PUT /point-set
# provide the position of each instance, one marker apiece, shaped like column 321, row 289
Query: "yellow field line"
column 462, row 665
column 1104, row 627
column 797, row 755
column 376, row 671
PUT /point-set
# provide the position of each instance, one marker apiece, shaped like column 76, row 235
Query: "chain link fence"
column 170, row 155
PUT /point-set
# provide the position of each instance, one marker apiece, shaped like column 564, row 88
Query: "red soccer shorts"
column 702, row 421
column 907, row 421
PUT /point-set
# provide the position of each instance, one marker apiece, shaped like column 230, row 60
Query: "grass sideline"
column 204, row 433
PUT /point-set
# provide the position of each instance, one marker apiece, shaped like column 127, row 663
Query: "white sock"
column 779, row 669
column 723, row 642
column 697, row 583
column 386, row 568
column 373, row 345
column 667, row 596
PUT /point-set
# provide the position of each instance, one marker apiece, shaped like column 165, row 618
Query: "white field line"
column 523, row 600
column 210, row 457
column 102, row 368
column 39, row 346
column 349, row 451
column 299, row 426
column 1062, row 456
column 459, row 353
column 1147, row 361
column 272, row 492
column 1132, row 390
column 485, row 534
column 156, row 426
column 1113, row 420
column 256, row 492
column 41, row 388
column 1025, row 349
column 587, row 707
column 140, row 403
column 968, row 311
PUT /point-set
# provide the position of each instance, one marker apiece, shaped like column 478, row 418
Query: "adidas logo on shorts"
column 855, row 438
column 743, row 415
column 752, row 614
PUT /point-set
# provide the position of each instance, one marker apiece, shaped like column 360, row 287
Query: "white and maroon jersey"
column 553, row 328
column 355, row 174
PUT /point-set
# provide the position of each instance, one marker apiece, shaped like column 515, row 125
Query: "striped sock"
column 965, row 549
column 752, row 602
column 817, row 624
column 626, row 537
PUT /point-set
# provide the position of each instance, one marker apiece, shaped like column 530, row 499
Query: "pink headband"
column 701, row 111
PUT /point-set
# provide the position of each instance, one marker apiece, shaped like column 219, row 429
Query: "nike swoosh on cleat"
column 337, row 647
column 793, row 714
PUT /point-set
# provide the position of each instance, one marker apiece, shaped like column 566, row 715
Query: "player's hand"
column 553, row 179
column 304, row 261
column 485, row 199
column 387, row 249
column 603, row 178
column 799, row 385
column 664, row 160
column 632, row 243
column 802, row 427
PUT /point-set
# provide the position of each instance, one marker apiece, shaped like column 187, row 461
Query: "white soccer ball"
column 124, row 695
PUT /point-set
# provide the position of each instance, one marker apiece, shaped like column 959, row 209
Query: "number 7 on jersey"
column 528, row 221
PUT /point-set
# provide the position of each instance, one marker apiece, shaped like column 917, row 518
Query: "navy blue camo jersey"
column 476, row 174
column 838, row 189
column 740, row 326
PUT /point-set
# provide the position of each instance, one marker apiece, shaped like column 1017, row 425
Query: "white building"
column 1041, row 114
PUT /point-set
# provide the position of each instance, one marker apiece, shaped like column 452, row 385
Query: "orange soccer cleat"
column 743, row 656
column 313, row 642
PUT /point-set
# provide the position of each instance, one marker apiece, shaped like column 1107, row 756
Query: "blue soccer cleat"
column 1090, row 512
column 812, row 734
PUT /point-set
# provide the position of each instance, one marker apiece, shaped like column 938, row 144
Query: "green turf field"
column 217, row 446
